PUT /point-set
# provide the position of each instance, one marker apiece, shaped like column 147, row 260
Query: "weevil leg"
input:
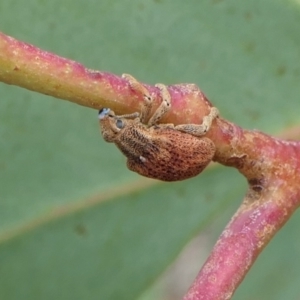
column 163, row 107
column 128, row 116
column 201, row 129
column 148, row 101
column 146, row 108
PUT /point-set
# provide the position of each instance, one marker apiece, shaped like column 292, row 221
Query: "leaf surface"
column 74, row 222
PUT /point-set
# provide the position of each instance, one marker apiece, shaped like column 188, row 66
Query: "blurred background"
column 74, row 222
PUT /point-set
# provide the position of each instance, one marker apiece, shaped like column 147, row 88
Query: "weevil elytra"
column 160, row 151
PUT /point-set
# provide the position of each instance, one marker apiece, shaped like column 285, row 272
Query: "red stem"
column 271, row 166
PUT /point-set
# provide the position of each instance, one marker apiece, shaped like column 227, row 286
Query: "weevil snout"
column 103, row 113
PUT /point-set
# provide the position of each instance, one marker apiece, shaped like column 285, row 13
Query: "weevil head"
column 110, row 124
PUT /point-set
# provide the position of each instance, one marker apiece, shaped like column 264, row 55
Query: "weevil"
column 160, row 151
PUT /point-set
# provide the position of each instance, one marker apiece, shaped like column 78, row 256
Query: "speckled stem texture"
column 271, row 166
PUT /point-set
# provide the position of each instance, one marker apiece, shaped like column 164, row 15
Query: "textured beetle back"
column 171, row 155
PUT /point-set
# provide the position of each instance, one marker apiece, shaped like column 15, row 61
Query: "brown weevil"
column 160, row 151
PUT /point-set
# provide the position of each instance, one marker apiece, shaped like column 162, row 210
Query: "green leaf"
column 74, row 222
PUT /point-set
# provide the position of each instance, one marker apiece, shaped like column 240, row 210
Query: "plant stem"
column 271, row 166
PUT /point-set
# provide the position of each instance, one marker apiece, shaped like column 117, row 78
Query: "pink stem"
column 27, row 66
column 271, row 166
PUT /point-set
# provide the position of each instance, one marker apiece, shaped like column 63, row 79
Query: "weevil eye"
column 103, row 113
column 120, row 123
